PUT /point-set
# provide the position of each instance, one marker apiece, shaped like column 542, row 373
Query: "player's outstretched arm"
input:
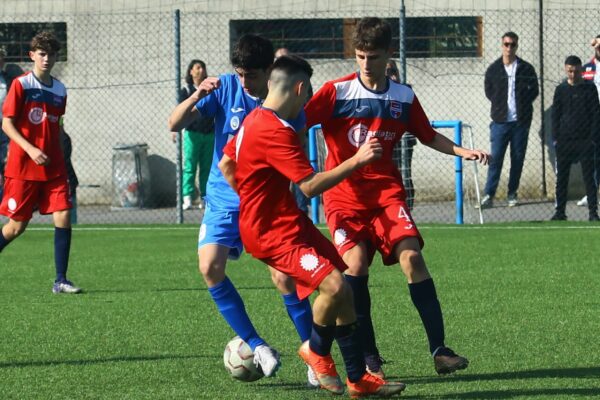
column 320, row 182
column 37, row 155
column 444, row 145
column 185, row 112
column 227, row 167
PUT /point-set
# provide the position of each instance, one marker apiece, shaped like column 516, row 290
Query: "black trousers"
column 569, row 153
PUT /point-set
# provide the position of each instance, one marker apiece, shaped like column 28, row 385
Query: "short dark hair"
column 292, row 65
column 188, row 73
column 252, row 52
column 45, row 41
column 372, row 33
column 511, row 35
column 573, row 60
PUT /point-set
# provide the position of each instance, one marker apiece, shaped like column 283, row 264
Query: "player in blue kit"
column 229, row 98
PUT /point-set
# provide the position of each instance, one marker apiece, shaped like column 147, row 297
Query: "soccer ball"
column 239, row 361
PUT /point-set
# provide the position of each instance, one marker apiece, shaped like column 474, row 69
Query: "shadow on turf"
column 47, row 363
column 509, row 394
column 582, row 372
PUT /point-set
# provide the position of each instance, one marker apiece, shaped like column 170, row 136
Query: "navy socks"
column 62, row 249
column 424, row 297
column 362, row 306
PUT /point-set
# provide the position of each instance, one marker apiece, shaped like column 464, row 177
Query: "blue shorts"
column 221, row 227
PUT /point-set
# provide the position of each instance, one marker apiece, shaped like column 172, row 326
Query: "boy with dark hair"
column 368, row 211
column 259, row 164
column 228, row 99
column 36, row 174
column 575, row 117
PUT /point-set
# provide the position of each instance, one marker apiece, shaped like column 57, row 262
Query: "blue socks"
column 424, row 297
column 62, row 248
column 362, row 306
column 300, row 313
column 3, row 241
column 348, row 339
column 232, row 308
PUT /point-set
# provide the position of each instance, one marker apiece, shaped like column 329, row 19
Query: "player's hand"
column 206, row 87
column 482, row 156
column 368, row 152
column 38, row 156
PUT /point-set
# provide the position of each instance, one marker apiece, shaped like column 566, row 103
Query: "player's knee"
column 13, row 229
column 411, row 260
column 211, row 270
column 282, row 282
column 357, row 266
column 337, row 289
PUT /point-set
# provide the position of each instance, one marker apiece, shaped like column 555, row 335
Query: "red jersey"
column 268, row 155
column 350, row 114
column 36, row 109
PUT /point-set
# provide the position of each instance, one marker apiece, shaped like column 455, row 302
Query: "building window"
column 426, row 37
column 15, row 38
column 429, row 37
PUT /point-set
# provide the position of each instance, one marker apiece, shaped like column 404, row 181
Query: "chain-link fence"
column 121, row 68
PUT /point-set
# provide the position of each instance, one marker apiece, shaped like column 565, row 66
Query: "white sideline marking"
column 323, row 228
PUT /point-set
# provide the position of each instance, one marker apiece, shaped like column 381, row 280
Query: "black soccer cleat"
column 446, row 361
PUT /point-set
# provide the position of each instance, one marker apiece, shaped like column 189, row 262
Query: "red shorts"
column 21, row 198
column 381, row 229
column 308, row 263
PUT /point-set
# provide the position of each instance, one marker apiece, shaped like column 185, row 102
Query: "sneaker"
column 446, row 361
column 267, row 360
column 324, row 369
column 558, row 216
column 583, row 202
column 187, row 202
column 486, row 202
column 311, row 377
column 512, row 200
column 374, row 363
column 65, row 287
column 594, row 217
column 370, row 385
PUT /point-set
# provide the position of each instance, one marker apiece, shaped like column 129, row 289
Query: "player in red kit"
column 367, row 212
column 36, row 175
column 265, row 156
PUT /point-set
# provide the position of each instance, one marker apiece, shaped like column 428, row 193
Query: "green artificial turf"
column 522, row 302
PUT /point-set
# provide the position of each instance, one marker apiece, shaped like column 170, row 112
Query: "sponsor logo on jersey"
column 234, row 122
column 395, row 109
column 361, row 109
column 309, row 262
column 358, row 134
column 237, row 109
column 35, row 96
column 57, row 100
column 339, row 236
column 36, row 115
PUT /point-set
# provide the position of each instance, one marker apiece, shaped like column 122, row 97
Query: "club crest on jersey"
column 339, row 236
column 36, row 115
column 357, row 134
column 234, row 122
column 395, row 109
column 309, row 262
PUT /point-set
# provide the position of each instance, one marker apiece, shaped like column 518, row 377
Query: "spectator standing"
column 591, row 74
column 511, row 85
column 575, row 115
column 198, row 141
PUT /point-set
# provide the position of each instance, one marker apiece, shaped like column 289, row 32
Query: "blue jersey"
column 229, row 105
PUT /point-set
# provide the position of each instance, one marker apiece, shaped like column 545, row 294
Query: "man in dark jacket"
column 575, row 114
column 511, row 85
